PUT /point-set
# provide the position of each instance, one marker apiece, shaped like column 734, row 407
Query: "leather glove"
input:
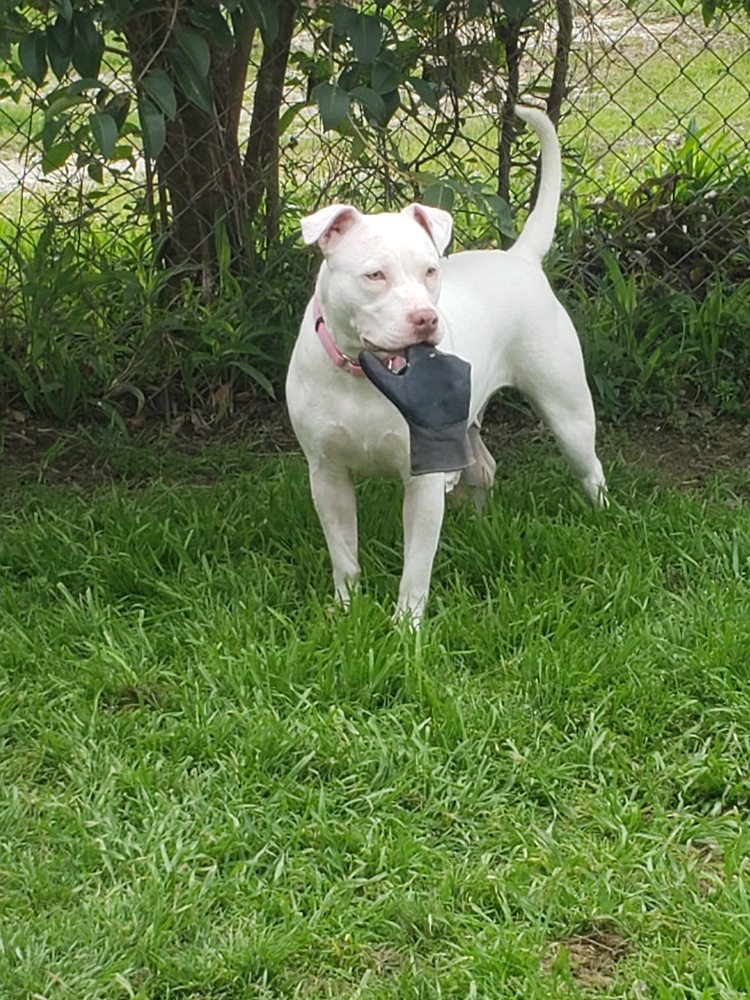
column 432, row 392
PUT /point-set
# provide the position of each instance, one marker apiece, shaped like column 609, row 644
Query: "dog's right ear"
column 327, row 226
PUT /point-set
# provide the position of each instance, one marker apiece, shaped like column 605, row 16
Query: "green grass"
column 215, row 785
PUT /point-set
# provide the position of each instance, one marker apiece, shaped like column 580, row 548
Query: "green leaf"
column 392, row 102
column 425, row 91
column 50, row 132
column 341, row 18
column 386, row 73
column 210, row 22
column 55, row 156
column 59, row 62
column 265, row 16
column 366, row 35
column 64, row 8
column 289, row 115
column 195, row 48
column 88, row 45
column 502, row 211
column 62, row 103
column 333, row 104
column 159, row 87
column 357, row 146
column 59, row 46
column 118, row 106
column 708, row 9
column 87, row 83
column 349, row 76
column 32, row 54
column 256, row 375
column 373, row 104
column 153, row 127
column 439, row 195
column 196, row 89
column 516, row 9
column 104, row 130
column 95, row 171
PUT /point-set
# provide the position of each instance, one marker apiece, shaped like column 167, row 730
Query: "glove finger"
column 439, row 385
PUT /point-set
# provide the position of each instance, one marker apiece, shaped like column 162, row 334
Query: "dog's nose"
column 424, row 323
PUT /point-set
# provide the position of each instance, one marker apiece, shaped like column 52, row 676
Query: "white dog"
column 383, row 286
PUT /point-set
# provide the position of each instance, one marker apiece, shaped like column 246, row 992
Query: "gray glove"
column 432, row 392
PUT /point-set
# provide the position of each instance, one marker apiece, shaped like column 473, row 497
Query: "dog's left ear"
column 437, row 222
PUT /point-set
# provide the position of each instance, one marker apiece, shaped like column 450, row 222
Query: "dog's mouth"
column 394, row 360
column 382, row 352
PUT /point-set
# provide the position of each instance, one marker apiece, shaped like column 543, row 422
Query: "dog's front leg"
column 336, row 504
column 424, row 506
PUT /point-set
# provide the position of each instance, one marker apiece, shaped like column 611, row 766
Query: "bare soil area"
column 684, row 453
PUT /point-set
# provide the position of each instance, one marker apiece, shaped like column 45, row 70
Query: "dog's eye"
column 376, row 276
column 431, row 272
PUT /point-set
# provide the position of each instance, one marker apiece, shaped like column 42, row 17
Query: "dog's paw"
column 411, row 617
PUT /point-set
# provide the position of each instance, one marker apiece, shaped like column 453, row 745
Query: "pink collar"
column 334, row 352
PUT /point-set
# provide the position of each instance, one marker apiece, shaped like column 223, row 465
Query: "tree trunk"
column 509, row 35
column 261, row 166
column 559, row 88
column 199, row 168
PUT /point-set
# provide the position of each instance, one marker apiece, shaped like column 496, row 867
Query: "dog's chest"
column 354, row 427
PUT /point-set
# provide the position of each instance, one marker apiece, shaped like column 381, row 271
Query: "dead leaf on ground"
column 221, row 398
column 708, row 861
column 387, row 961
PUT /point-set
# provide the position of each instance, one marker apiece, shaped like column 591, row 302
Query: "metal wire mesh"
column 654, row 128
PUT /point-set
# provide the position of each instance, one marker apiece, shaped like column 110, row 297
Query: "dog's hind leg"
column 564, row 404
column 574, row 427
column 480, row 475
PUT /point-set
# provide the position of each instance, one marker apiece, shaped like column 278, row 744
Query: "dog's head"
column 380, row 281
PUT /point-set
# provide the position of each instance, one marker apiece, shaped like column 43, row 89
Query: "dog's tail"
column 536, row 236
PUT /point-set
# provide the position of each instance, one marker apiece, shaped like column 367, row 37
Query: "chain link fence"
column 653, row 109
column 654, row 99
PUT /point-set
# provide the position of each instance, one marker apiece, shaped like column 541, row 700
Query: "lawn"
column 218, row 786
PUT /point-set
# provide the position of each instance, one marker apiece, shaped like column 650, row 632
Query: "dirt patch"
column 684, row 455
column 89, row 455
column 590, row 957
column 689, row 455
column 387, row 962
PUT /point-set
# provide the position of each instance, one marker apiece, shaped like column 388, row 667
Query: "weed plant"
column 655, row 275
column 654, row 349
column 92, row 323
column 217, row 785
